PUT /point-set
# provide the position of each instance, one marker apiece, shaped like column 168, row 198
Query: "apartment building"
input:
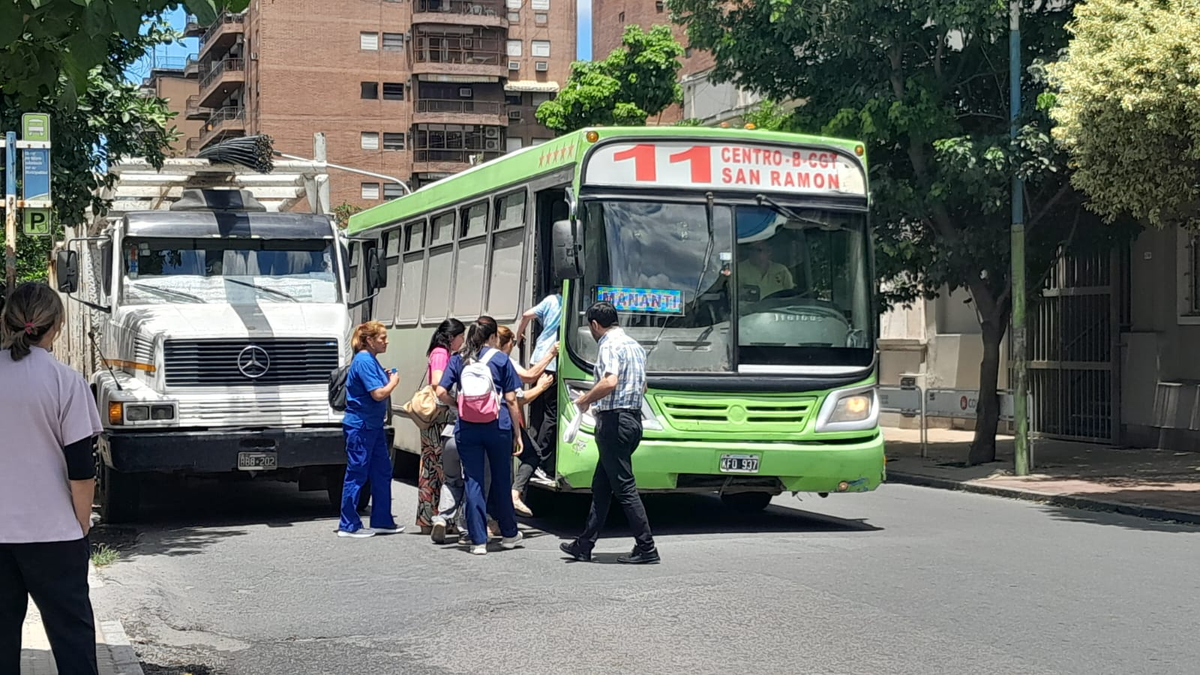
column 709, row 102
column 414, row 89
column 175, row 79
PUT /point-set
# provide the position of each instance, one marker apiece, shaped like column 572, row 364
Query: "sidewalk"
column 114, row 654
column 1147, row 483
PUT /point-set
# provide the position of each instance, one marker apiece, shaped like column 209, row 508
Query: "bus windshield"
column 798, row 282
column 238, row 272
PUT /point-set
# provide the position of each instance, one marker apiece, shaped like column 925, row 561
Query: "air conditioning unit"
column 492, row 132
column 492, row 144
column 514, row 115
column 514, row 65
column 465, row 92
column 253, row 56
column 541, row 66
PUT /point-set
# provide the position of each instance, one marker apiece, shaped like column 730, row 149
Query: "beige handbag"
column 422, row 408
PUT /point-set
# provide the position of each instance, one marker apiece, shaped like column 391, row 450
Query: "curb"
column 1067, row 501
column 125, row 659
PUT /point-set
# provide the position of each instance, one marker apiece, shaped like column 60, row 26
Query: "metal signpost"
column 35, row 203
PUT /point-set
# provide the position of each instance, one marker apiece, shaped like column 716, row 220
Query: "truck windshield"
column 799, row 285
column 238, row 272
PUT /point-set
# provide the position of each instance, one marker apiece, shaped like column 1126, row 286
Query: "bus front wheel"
column 747, row 502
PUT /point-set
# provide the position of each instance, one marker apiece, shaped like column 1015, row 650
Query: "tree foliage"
column 925, row 86
column 1128, row 108
column 636, row 81
column 111, row 119
column 44, row 42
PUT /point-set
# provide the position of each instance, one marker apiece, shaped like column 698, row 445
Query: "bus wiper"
column 792, row 215
column 168, row 291
column 247, row 284
column 712, row 243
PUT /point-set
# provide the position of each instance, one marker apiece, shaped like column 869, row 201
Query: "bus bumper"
column 695, row 466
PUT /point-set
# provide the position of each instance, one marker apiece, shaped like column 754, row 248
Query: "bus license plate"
column 739, row 463
column 257, row 461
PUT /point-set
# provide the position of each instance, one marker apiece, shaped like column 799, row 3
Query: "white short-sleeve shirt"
column 44, row 407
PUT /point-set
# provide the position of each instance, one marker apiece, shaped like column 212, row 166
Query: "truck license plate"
column 257, row 461
column 739, row 463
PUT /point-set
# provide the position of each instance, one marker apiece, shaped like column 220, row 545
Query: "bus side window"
column 507, row 257
column 385, row 304
column 412, row 274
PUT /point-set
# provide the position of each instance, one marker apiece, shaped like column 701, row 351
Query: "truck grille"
column 736, row 415
column 272, row 361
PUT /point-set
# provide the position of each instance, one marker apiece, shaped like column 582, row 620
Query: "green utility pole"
column 1019, row 369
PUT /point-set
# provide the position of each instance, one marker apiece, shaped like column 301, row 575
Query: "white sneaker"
column 362, row 533
column 509, row 543
column 479, row 549
column 389, row 530
column 538, row 473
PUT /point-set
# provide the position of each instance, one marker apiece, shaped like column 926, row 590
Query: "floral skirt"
column 431, row 476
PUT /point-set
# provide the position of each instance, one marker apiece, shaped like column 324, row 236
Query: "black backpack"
column 337, row 388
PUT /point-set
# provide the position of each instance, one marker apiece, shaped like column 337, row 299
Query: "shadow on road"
column 1128, row 521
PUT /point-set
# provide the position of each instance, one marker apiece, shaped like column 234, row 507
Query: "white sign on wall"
column 726, row 166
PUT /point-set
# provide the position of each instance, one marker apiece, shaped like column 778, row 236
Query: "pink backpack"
column 478, row 401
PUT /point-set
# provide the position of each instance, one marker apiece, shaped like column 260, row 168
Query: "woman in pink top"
column 446, row 340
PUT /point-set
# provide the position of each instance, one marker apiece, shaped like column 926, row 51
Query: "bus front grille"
column 735, row 415
column 233, row 362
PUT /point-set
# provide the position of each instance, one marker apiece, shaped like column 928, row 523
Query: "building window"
column 393, row 141
column 369, row 140
column 541, row 18
column 514, row 17
column 512, row 99
column 513, row 4
column 540, row 48
column 368, row 42
column 392, row 191
column 370, row 90
column 393, row 91
column 687, row 53
column 537, row 98
column 658, row 6
column 621, row 17
column 513, row 143
column 393, row 42
column 514, row 47
column 540, row 5
column 370, row 191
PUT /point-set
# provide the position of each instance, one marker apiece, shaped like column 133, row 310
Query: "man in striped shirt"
column 620, row 374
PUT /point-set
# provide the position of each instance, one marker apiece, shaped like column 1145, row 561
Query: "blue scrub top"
column 365, row 375
column 504, row 375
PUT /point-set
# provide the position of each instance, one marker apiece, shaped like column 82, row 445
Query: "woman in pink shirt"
column 446, row 340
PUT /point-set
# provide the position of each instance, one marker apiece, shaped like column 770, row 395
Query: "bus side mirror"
column 567, row 253
column 66, row 269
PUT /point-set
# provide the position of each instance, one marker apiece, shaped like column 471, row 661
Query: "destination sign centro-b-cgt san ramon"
column 727, row 167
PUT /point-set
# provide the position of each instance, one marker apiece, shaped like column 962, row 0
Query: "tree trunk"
column 987, row 410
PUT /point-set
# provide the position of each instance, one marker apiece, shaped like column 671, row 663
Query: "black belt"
column 619, row 410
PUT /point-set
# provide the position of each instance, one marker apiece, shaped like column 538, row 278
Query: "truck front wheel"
column 119, row 495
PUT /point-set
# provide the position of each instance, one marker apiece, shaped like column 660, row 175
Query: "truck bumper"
column 217, row 451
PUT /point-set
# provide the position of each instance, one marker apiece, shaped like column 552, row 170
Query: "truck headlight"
column 137, row 413
column 849, row 410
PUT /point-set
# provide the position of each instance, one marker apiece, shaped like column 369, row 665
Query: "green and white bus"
column 740, row 259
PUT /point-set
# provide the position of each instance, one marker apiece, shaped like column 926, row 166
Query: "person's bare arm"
column 514, row 411
column 529, row 315
column 387, row 389
column 606, row 386
column 540, row 388
column 535, row 373
column 83, row 493
column 444, row 396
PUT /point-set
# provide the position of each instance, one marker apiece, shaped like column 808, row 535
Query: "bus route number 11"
column 645, row 162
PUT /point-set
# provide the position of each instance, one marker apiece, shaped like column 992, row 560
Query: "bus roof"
column 562, row 152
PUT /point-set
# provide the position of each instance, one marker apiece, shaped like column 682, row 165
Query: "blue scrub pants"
column 478, row 446
column 367, row 457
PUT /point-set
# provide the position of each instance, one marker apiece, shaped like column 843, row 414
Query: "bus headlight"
column 849, row 410
column 650, row 421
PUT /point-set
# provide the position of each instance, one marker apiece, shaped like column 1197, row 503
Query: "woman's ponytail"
column 33, row 311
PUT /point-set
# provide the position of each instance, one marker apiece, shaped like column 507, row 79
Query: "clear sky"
column 189, row 46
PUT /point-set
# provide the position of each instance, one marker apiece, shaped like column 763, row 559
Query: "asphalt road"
column 249, row 578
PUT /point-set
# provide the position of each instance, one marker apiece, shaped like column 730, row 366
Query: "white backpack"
column 478, row 401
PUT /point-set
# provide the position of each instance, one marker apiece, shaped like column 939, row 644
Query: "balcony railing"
column 192, row 106
column 452, row 156
column 221, row 67
column 222, row 21
column 460, row 106
column 193, row 145
column 458, row 49
column 222, row 119
column 469, row 7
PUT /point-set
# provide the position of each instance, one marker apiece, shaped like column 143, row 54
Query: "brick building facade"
column 414, row 89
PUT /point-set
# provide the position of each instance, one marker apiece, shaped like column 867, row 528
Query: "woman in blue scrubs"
column 368, row 389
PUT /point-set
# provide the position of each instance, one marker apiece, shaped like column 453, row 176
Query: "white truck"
column 208, row 330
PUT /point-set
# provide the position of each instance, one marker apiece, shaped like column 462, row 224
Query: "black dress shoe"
column 640, row 557
column 574, row 550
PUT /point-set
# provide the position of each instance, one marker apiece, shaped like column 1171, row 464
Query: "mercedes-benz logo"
column 254, row 362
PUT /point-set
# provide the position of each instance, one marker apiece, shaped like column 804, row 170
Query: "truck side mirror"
column 566, row 254
column 376, row 272
column 66, row 268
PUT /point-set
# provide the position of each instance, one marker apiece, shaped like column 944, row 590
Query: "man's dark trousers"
column 55, row 575
column 618, row 433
